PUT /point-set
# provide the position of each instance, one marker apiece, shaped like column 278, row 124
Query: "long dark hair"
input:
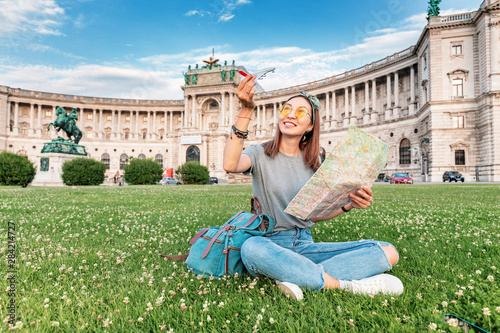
column 309, row 145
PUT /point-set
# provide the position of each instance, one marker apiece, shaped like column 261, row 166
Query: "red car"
column 401, row 178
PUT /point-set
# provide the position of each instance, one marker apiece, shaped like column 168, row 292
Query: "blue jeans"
column 292, row 256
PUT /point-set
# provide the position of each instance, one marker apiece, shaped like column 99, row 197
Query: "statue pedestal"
column 49, row 169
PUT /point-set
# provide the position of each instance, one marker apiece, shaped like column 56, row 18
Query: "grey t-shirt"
column 275, row 183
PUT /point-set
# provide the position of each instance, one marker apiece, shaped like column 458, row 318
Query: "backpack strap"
column 255, row 206
column 198, row 235
column 212, row 241
column 180, row 257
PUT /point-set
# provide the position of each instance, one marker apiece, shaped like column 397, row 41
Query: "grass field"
column 87, row 260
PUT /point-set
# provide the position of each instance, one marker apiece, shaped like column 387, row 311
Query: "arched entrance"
column 193, row 154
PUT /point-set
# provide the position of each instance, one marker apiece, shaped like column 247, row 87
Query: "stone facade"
column 437, row 103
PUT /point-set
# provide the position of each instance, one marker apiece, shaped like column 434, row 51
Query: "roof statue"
column 212, row 62
column 433, row 9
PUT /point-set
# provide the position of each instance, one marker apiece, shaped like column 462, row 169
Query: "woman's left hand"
column 363, row 199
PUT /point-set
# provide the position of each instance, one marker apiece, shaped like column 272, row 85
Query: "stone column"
column 113, row 124
column 397, row 108
column 264, row 120
column 366, row 116
column 327, row 112
column 389, row 99
column 81, row 119
column 231, row 107
column 32, row 120
column 16, row 118
column 346, row 108
column 154, row 134
column 275, row 120
column 137, row 129
column 222, row 120
column 184, row 115
column 333, row 111
column 53, row 131
column 94, row 129
column 148, row 128
column 130, row 130
column 257, row 134
column 411, row 107
column 9, row 107
column 119, row 124
column 171, row 121
column 101, row 129
column 39, row 130
column 165, row 114
column 355, row 113
column 374, row 114
column 192, row 119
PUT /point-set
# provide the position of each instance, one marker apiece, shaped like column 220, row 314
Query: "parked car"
column 401, row 178
column 168, row 181
column 453, row 176
column 212, row 180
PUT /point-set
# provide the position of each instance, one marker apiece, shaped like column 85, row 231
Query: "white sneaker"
column 381, row 283
column 291, row 290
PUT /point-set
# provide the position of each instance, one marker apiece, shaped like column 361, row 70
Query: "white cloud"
column 223, row 10
column 193, row 12
column 225, row 17
column 30, row 17
column 94, row 80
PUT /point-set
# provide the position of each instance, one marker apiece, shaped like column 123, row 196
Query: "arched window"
column 404, row 152
column 193, row 154
column 105, row 160
column 214, row 105
column 123, row 161
column 159, row 159
column 141, row 157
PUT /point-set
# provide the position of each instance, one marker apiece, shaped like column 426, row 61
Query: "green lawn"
column 87, row 260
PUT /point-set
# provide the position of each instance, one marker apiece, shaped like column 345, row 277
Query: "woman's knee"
column 391, row 253
column 252, row 248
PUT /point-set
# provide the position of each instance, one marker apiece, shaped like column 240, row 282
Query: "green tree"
column 15, row 169
column 193, row 173
column 143, row 172
column 83, row 171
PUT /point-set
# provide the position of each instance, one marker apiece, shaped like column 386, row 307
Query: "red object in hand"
column 243, row 73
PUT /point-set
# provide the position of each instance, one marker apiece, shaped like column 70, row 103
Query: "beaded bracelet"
column 344, row 210
column 240, row 134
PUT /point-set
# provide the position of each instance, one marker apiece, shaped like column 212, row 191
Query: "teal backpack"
column 216, row 251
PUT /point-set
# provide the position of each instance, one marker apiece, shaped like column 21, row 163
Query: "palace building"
column 436, row 103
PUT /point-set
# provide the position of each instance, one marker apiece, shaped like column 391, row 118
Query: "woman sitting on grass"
column 279, row 169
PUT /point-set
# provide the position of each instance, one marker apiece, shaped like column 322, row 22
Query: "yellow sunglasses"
column 300, row 112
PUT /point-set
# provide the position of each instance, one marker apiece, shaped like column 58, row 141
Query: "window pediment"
column 458, row 73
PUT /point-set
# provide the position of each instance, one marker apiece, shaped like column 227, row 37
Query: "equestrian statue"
column 67, row 123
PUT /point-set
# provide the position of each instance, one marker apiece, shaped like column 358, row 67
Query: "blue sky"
column 139, row 49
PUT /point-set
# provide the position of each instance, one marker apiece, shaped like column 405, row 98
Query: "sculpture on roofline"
column 433, row 9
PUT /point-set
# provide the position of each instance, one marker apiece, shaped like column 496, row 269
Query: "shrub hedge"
column 83, row 171
column 193, row 173
column 15, row 169
column 143, row 172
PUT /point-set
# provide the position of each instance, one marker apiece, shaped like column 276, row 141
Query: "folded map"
column 355, row 162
